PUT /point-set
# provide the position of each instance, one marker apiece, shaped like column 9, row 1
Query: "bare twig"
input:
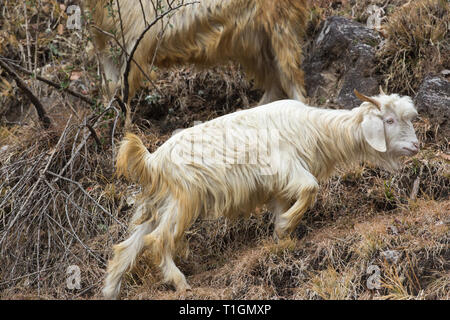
column 34, row 100
column 36, row 184
column 112, row 36
column 121, row 22
column 87, row 194
column 25, row 13
column 49, row 82
column 87, row 125
column 143, row 12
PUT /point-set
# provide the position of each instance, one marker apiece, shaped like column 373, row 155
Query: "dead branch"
column 36, row 184
column 113, row 37
column 34, row 100
column 49, row 82
column 87, row 194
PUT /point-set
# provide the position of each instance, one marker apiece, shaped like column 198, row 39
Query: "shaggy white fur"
column 273, row 154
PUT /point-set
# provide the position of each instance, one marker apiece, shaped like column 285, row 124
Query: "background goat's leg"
column 273, row 91
column 288, row 61
column 292, row 83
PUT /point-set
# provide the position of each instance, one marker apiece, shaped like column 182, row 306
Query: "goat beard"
column 392, row 162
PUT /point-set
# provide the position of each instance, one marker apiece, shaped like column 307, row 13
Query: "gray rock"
column 433, row 100
column 341, row 59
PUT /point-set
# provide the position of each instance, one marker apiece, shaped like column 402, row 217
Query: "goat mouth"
column 411, row 151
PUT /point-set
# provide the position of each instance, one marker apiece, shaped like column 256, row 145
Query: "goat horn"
column 362, row 97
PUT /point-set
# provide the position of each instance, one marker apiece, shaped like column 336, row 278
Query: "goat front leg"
column 286, row 222
column 278, row 206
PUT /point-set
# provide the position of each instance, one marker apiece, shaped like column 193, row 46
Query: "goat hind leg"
column 288, row 64
column 172, row 274
column 163, row 241
column 125, row 254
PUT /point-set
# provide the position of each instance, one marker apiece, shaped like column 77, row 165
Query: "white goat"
column 228, row 166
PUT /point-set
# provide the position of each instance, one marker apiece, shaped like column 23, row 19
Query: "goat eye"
column 390, row 121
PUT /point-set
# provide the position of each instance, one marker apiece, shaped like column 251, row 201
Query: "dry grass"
column 417, row 43
column 329, row 262
column 191, row 95
column 49, row 222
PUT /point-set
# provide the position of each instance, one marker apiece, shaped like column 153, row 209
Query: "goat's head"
column 388, row 127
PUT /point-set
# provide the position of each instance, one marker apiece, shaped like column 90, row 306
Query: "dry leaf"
column 5, row 88
column 60, row 29
column 444, row 156
column 75, row 75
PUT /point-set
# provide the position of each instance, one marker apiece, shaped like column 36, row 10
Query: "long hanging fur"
column 264, row 36
column 218, row 168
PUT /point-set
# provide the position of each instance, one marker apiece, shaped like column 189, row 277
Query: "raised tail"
column 133, row 160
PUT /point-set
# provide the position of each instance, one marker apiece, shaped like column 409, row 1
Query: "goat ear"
column 373, row 131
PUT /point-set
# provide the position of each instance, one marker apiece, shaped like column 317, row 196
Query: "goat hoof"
column 184, row 289
column 279, row 235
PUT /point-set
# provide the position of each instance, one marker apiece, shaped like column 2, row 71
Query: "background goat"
column 310, row 142
column 264, row 36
